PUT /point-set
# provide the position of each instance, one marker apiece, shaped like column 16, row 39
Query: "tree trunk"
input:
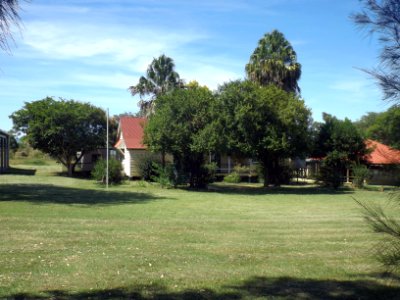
column 71, row 169
column 266, row 169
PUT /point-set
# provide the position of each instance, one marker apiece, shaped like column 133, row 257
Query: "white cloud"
column 112, row 80
column 104, row 46
column 210, row 76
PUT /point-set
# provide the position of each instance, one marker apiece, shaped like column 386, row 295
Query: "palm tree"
column 160, row 79
column 8, row 16
column 275, row 62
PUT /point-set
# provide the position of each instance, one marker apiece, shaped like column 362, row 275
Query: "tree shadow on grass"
column 256, row 287
column 282, row 190
column 44, row 193
column 19, row 171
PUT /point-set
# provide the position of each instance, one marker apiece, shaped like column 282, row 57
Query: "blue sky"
column 94, row 50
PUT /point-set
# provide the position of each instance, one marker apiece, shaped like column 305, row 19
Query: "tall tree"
column 64, row 129
column 386, row 129
column 365, row 122
column 8, row 16
column 382, row 17
column 341, row 136
column 161, row 78
column 264, row 123
column 341, row 145
column 383, row 127
column 182, row 128
column 274, row 61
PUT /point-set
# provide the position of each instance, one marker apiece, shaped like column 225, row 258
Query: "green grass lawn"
column 64, row 238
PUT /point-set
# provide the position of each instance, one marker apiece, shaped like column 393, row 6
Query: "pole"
column 107, row 153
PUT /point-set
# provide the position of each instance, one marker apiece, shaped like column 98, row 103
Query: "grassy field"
column 64, row 238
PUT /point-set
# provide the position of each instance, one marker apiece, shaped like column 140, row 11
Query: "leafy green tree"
column 341, row 136
column 161, row 78
column 265, row 123
column 382, row 17
column 365, row 122
column 8, row 16
column 62, row 128
column 181, row 127
column 341, row 144
column 386, row 127
column 333, row 168
column 274, row 61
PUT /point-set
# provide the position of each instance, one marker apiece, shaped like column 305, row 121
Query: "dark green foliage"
column 274, row 61
column 333, row 169
column 160, row 79
column 341, row 136
column 264, row 123
column 360, row 174
column 146, row 166
column 386, row 128
column 341, row 145
column 182, row 127
column 115, row 175
column 365, row 122
column 168, row 176
column 62, row 128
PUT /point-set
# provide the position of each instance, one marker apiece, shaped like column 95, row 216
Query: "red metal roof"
column 382, row 154
column 131, row 132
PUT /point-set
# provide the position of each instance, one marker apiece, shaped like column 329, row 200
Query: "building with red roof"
column 130, row 133
column 384, row 163
column 130, row 143
column 382, row 154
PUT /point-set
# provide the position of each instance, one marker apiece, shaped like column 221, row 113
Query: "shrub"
column 115, row 175
column 203, row 175
column 146, row 166
column 233, row 177
column 332, row 169
column 165, row 176
column 361, row 173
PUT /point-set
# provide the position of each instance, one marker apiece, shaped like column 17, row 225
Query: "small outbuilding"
column 130, row 144
column 4, row 151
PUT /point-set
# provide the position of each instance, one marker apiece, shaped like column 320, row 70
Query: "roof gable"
column 131, row 132
column 381, row 154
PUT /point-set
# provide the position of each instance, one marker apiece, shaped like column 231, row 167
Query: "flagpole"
column 107, row 152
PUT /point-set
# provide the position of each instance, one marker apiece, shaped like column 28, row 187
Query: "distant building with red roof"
column 130, row 143
column 130, row 133
column 384, row 163
column 382, row 154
